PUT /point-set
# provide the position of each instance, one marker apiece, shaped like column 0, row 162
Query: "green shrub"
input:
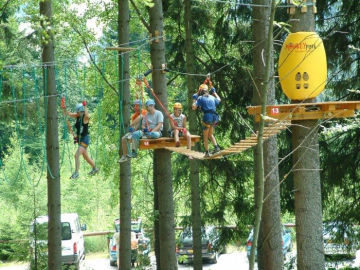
column 96, row 244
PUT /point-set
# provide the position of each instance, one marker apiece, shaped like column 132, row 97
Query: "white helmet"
column 80, row 107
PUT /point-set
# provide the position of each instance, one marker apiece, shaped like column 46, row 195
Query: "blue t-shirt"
column 207, row 103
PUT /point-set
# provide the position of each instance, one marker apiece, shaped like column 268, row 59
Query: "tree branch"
column 206, row 51
column 201, row 61
column 172, row 79
column 3, row 8
column 141, row 17
column 93, row 61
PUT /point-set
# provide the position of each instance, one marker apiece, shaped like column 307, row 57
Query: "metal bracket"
column 303, row 7
column 163, row 68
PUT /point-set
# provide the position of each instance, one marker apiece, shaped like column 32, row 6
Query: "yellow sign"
column 302, row 66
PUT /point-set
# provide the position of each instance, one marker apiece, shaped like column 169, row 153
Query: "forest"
column 102, row 55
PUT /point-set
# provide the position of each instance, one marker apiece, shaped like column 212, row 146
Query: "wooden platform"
column 164, row 142
column 239, row 147
column 307, row 111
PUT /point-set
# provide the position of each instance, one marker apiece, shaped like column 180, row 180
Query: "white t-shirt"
column 178, row 119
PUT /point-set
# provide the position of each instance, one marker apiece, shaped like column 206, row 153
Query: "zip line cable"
column 53, row 63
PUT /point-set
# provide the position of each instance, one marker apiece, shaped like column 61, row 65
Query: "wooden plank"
column 164, row 142
column 339, row 105
column 313, row 115
column 190, row 153
column 186, row 152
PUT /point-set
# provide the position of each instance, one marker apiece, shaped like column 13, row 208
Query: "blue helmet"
column 150, row 102
column 80, row 107
column 137, row 102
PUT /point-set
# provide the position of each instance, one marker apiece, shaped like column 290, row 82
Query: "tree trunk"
column 308, row 208
column 259, row 157
column 156, row 213
column 124, row 115
column 163, row 157
column 194, row 163
column 269, row 243
column 52, row 142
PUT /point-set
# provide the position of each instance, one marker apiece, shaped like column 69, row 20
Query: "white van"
column 72, row 239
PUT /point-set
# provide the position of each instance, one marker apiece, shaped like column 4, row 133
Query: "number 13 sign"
column 275, row 110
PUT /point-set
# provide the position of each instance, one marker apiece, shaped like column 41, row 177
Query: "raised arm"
column 217, row 96
column 73, row 115
column 134, row 123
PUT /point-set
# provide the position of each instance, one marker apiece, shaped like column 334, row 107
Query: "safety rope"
column 16, row 128
column 40, row 127
column 121, row 116
column 1, row 164
column 66, row 123
column 159, row 101
column 99, row 111
column 46, row 113
column 65, row 133
column 24, row 95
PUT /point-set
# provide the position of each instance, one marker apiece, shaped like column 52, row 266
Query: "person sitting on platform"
column 135, row 124
column 178, row 125
column 208, row 101
column 152, row 125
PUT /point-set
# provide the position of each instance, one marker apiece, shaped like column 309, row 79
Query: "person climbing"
column 151, row 125
column 82, row 137
column 208, row 101
column 135, row 124
column 178, row 125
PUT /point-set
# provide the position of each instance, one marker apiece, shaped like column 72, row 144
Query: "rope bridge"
column 239, row 147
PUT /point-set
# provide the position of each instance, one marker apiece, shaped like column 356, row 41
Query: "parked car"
column 114, row 249
column 286, row 242
column 140, row 244
column 210, row 243
column 339, row 239
column 72, row 239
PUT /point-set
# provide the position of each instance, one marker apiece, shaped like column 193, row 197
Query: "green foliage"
column 221, row 41
column 96, row 244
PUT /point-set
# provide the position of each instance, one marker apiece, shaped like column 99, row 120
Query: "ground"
column 230, row 261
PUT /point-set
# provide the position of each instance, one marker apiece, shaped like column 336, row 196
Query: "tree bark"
column 269, row 244
column 52, row 142
column 259, row 154
column 194, row 164
column 163, row 157
column 308, row 208
column 124, row 115
column 156, row 213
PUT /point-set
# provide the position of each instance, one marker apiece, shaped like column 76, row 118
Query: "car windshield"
column 42, row 231
column 135, row 226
